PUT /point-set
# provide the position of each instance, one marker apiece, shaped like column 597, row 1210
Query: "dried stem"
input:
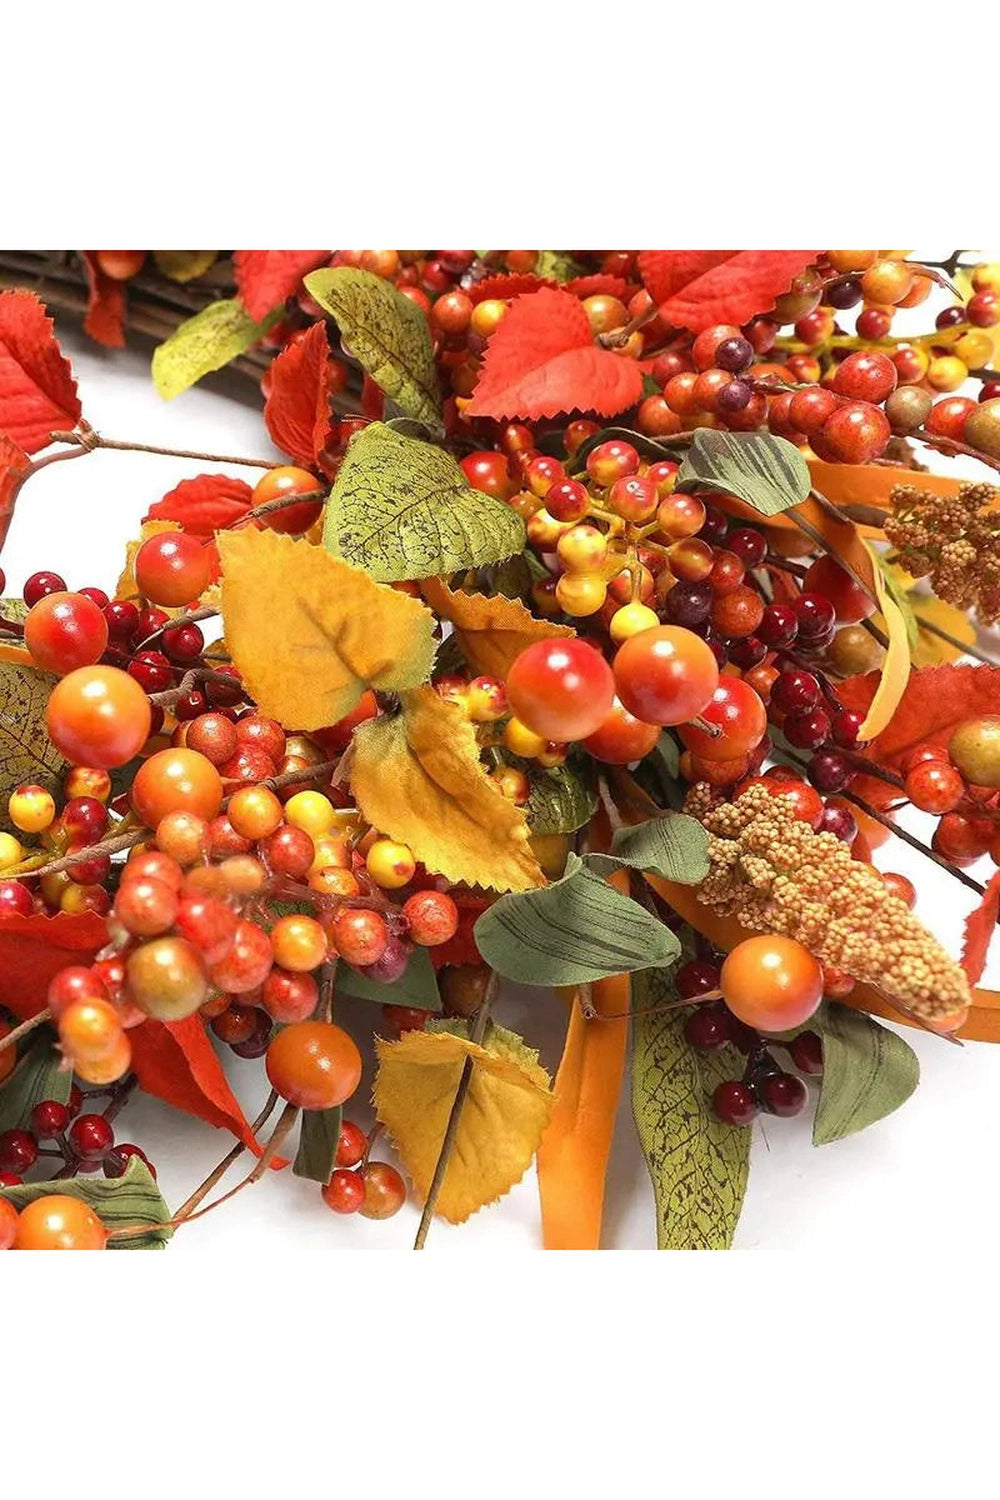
column 451, row 1130
column 13, row 1037
column 200, row 1193
column 193, row 616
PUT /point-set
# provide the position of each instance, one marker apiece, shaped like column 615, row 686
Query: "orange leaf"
column 980, row 925
column 895, row 670
column 33, row 949
column 697, row 288
column 14, row 467
column 543, row 361
column 105, row 319
column 205, row 504
column 266, row 278
column 490, row 633
column 503, row 287
column 37, row 390
column 178, row 1064
column 936, row 700
column 297, row 412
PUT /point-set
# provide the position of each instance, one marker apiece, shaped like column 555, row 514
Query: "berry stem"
column 963, row 646
column 13, row 1037
column 85, row 440
column 206, row 612
column 954, row 448
column 451, row 1130
column 201, row 1192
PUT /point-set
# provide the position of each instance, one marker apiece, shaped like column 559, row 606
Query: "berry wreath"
column 598, row 626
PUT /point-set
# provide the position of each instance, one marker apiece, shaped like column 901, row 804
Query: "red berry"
column 806, row 1052
column 91, row 1137
column 708, row 1028
column 665, row 675
column 18, row 1151
column 40, row 585
column 783, row 1094
column 934, row 786
column 65, row 631
column 173, row 567
column 345, row 1192
column 351, row 1145
column 562, row 689
column 866, row 376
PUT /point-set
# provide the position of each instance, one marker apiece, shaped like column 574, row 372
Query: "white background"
column 924, row 1175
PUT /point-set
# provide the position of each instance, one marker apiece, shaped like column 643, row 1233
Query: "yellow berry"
column 544, row 530
column 485, row 700
column 11, row 852
column 520, row 740
column 389, row 864
column 581, row 593
column 851, row 260
column 974, row 349
column 946, row 373
column 31, row 808
column 487, row 316
column 553, row 755
column 582, row 549
column 631, row 619
column 887, row 281
column 986, row 278
column 312, row 812
column 330, row 849
column 511, row 783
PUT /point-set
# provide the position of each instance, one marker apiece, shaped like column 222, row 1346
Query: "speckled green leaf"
column 36, row 1077
column 206, row 342
column 26, row 752
column 416, row 986
column 386, row 333
column 130, row 1199
column 401, row 509
column 318, row 1137
column 557, row 265
column 868, row 1071
column 573, row 931
column 561, row 800
column 767, row 472
column 698, row 1165
column 674, row 847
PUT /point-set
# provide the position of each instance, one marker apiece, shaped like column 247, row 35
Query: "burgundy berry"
column 40, row 585
column 796, row 691
column 749, row 545
column 748, row 652
column 714, row 527
column 689, row 604
column 844, row 727
column 18, row 1151
column 816, row 616
column 91, row 1138
column 779, row 626
column 829, row 772
column 809, row 730
column 806, row 1052
column 696, row 977
column 708, row 1028
column 783, row 1094
column 735, row 1103
column 839, row 821
column 116, row 1163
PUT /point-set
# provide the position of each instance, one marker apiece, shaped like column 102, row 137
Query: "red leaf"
column 980, row 926
column 599, row 284
column 14, row 465
column 513, row 284
column 204, row 505
column 297, row 412
column 936, row 700
column 542, row 361
column 105, row 320
column 177, row 1063
column 266, row 278
column 37, row 390
column 34, row 949
column 697, row 288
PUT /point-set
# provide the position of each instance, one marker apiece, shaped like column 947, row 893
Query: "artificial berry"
column 735, row 1103
column 783, row 1094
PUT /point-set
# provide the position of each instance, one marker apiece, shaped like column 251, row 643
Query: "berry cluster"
column 79, row 1139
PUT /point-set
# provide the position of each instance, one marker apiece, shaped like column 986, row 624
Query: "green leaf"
column 674, row 847
column 561, row 800
column 698, row 1165
column 868, row 1071
column 130, row 1199
column 26, row 752
column 767, row 472
column 318, row 1137
column 386, row 333
column 573, row 931
column 401, row 509
column 37, row 1076
column 206, row 342
column 416, row 986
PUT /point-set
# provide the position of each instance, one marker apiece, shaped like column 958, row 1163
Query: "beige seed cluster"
column 770, row 871
column 952, row 539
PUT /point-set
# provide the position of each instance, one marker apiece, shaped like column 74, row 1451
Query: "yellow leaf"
column 491, row 633
column 931, row 649
column 417, row 777
column 126, row 587
column 309, row 633
column 895, row 668
column 26, row 752
column 501, row 1125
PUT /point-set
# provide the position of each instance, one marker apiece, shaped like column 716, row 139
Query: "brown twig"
column 13, row 1037
column 451, row 1129
column 216, row 1175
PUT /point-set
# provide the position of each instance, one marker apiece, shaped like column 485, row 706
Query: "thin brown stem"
column 13, row 1037
column 216, row 1175
column 207, row 458
column 451, row 1130
column 193, row 616
column 964, row 646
